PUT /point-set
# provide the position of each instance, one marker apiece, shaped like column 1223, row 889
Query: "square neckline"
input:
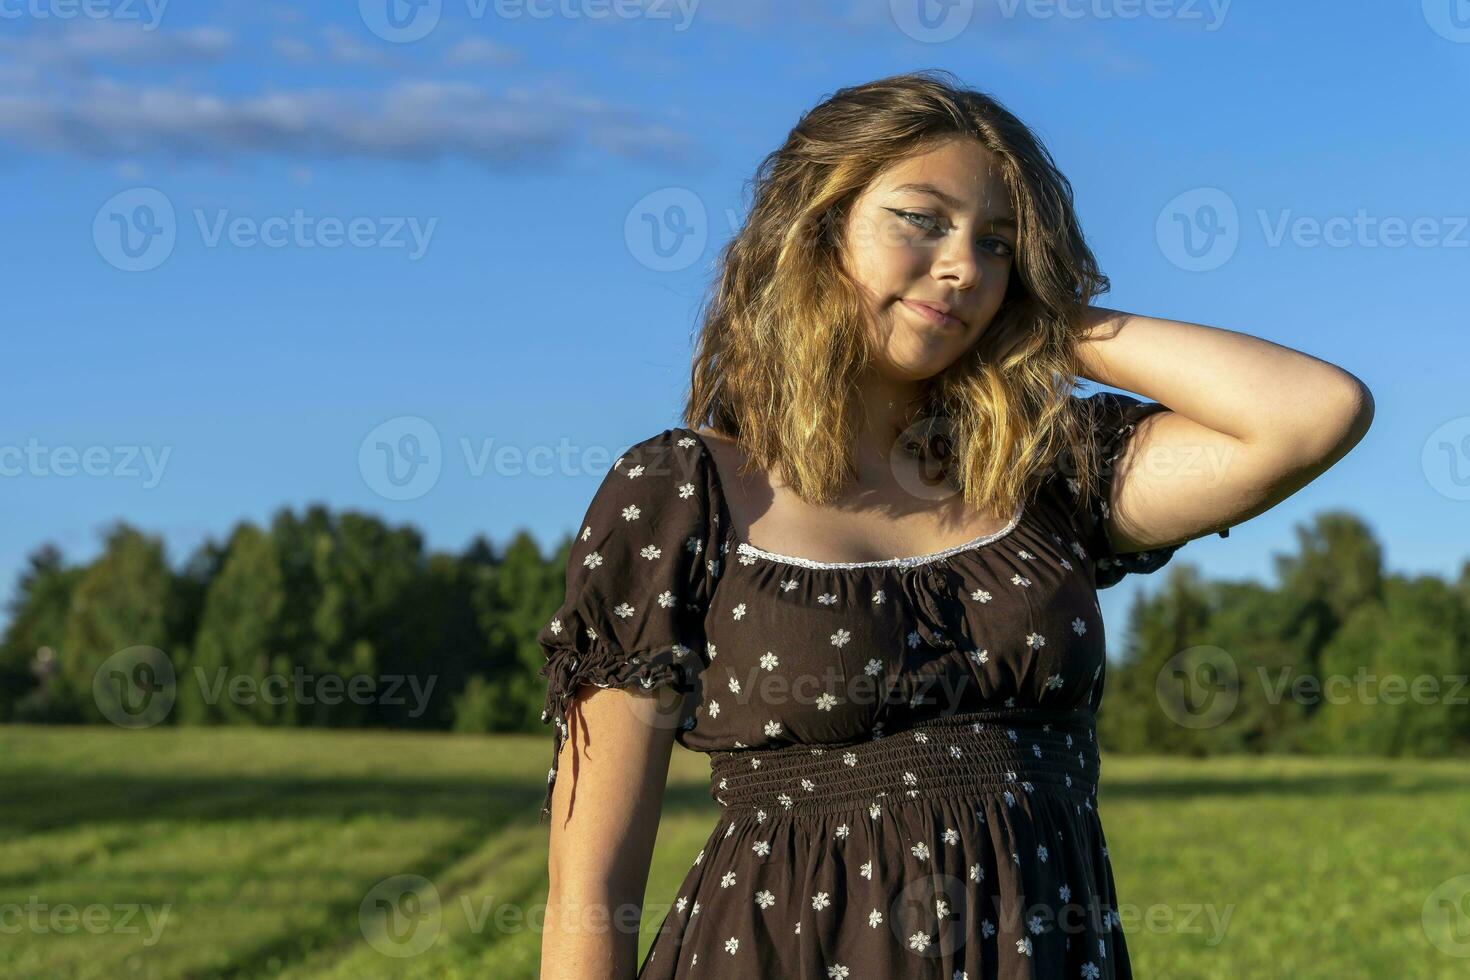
column 744, row 547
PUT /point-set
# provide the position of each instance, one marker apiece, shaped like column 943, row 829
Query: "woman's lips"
column 932, row 315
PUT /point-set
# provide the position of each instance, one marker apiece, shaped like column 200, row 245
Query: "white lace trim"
column 750, row 549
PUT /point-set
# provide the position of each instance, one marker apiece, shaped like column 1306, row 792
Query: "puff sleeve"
column 1114, row 417
column 638, row 582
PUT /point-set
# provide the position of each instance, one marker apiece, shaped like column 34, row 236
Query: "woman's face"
column 936, row 228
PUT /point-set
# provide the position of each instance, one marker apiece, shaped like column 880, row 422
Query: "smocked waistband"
column 1003, row 752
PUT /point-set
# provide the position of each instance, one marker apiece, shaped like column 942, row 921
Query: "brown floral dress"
column 904, row 751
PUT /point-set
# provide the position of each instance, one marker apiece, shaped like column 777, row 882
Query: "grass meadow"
column 214, row 853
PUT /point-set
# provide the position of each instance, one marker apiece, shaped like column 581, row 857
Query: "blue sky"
column 339, row 220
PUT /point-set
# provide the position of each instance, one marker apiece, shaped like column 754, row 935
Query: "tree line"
column 339, row 620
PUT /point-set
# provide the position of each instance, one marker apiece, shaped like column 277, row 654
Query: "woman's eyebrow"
column 1005, row 218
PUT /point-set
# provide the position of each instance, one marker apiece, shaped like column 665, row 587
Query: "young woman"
column 904, row 748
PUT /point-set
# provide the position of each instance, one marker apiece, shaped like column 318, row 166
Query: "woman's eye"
column 927, row 223
column 916, row 218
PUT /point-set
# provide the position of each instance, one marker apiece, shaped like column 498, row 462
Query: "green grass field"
column 248, row 853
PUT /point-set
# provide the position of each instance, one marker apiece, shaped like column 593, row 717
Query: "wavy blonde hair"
column 784, row 339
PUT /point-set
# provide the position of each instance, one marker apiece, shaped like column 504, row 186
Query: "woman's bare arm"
column 605, row 811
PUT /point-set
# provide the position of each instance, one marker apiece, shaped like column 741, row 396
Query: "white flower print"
column 879, row 597
column 1034, row 924
column 1025, row 555
column 841, row 832
column 840, row 638
column 1065, row 892
column 709, row 648
column 714, row 709
column 913, row 639
column 1090, row 971
column 1053, row 682
column 739, row 611
column 761, row 848
column 955, row 751
column 1065, row 564
column 592, row 560
column 769, row 660
column 980, row 595
column 849, row 758
column 586, row 532
column 1010, row 798
column 623, row 609
column 808, row 785
column 734, row 685
column 837, row 972
column 785, row 800
column 1078, row 626
column 635, row 472
column 875, row 918
column 686, row 490
column 874, row 668
column 765, row 899
column 910, row 779
column 631, row 512
column 666, row 601
column 773, row 728
column 694, row 911
column 797, row 930
column 977, row 872
column 728, row 879
column 825, row 702
column 1035, row 640
column 951, row 836
column 786, row 586
column 1102, row 950
column 827, row 599
column 1021, row 580
column 987, row 929
column 1023, row 945
column 731, row 945
column 866, row 869
column 651, row 552
column 746, row 558
column 941, row 908
column 919, row 941
column 874, row 810
column 820, row 901
column 681, row 904
column 920, row 851
column 556, row 627
column 921, row 736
